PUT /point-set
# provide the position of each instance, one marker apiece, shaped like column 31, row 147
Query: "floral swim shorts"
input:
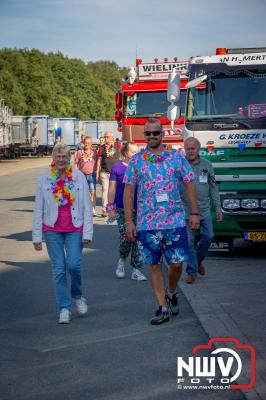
column 172, row 243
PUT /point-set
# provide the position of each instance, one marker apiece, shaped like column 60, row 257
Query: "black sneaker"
column 172, row 303
column 160, row 317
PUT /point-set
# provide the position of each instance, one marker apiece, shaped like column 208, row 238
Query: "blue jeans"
column 65, row 251
column 197, row 251
column 91, row 180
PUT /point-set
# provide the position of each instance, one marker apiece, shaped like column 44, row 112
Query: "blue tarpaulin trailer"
column 69, row 130
column 65, row 130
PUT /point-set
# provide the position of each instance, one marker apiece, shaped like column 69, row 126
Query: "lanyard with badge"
column 203, row 178
column 161, row 196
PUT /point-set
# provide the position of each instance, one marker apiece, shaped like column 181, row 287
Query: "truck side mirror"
column 118, row 115
column 173, row 91
column 118, row 100
column 173, row 112
column 197, row 81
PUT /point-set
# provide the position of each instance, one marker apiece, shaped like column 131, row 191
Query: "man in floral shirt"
column 158, row 170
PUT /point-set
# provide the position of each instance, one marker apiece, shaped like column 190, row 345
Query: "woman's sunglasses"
column 152, row 133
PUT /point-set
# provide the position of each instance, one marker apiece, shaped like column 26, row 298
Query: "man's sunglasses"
column 152, row 133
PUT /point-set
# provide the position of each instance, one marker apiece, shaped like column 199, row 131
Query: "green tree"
column 32, row 83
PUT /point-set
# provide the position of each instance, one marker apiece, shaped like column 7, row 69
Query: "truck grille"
column 241, row 211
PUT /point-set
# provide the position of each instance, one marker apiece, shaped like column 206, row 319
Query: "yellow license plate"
column 255, row 236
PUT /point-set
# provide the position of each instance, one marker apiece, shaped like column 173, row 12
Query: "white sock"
column 170, row 294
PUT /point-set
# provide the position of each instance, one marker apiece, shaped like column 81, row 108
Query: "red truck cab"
column 144, row 95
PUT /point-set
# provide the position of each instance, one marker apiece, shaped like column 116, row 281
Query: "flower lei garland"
column 85, row 156
column 110, row 207
column 110, row 152
column 62, row 189
column 154, row 158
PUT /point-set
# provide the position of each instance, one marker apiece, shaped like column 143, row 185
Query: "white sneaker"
column 137, row 275
column 64, row 316
column 120, row 270
column 94, row 213
column 82, row 307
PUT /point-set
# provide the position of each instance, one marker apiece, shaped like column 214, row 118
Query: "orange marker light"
column 221, row 50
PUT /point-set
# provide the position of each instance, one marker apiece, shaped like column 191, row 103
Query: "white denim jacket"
column 46, row 208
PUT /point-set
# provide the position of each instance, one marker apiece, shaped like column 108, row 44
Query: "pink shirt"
column 87, row 167
column 63, row 222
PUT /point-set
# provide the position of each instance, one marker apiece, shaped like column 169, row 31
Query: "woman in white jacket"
column 63, row 214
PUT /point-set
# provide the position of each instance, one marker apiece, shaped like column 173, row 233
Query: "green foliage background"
column 34, row 83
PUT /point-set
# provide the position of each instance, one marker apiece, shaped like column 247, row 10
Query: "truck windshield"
column 151, row 104
column 236, row 95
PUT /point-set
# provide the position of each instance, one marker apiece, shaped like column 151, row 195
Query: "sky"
column 118, row 30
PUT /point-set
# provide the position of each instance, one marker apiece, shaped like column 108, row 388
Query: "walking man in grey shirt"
column 206, row 188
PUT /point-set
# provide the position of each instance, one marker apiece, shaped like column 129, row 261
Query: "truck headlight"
column 250, row 203
column 231, row 203
column 263, row 203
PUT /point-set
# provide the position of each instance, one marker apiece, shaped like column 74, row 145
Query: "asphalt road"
column 113, row 353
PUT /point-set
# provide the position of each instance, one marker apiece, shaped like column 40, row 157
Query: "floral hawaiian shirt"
column 158, row 178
